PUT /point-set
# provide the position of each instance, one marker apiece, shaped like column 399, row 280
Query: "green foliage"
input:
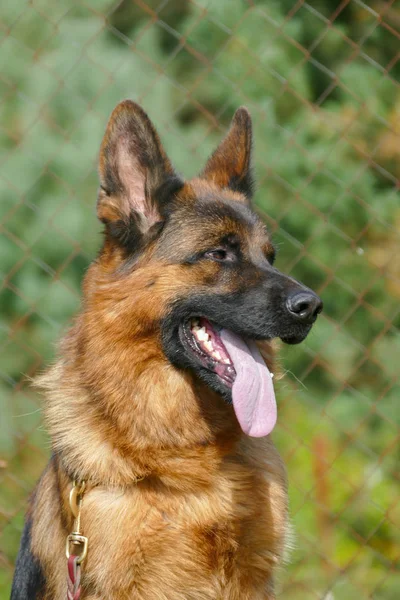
column 326, row 163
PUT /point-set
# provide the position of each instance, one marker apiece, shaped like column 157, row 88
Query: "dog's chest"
column 157, row 544
column 160, row 542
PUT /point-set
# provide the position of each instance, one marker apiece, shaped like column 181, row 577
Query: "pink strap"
column 73, row 578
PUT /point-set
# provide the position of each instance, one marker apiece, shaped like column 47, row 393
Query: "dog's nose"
column 304, row 306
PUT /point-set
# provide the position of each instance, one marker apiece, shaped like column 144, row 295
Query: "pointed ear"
column 230, row 165
column 134, row 170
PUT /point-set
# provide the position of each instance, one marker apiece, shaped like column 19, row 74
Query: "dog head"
column 194, row 265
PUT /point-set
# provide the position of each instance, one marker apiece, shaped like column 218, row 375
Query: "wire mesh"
column 322, row 82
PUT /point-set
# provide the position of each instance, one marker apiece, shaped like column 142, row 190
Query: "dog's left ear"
column 230, row 165
column 136, row 176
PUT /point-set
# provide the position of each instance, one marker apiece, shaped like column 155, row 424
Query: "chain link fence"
column 322, row 82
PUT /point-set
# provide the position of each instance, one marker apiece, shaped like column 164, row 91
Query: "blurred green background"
column 321, row 80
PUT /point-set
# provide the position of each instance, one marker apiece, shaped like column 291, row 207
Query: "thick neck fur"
column 116, row 408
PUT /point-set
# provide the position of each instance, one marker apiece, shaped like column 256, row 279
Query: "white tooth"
column 226, row 361
column 217, row 355
column 272, row 375
column 208, row 345
column 202, row 335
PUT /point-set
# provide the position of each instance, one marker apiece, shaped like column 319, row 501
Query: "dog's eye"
column 220, row 255
column 270, row 254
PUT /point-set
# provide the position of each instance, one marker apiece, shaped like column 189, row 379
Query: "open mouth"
column 202, row 338
column 238, row 364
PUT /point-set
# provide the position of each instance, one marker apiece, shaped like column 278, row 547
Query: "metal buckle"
column 76, row 539
column 75, row 497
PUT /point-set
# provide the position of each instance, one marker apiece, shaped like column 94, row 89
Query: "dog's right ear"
column 136, row 176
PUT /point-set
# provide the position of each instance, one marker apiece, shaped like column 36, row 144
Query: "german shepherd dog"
column 162, row 397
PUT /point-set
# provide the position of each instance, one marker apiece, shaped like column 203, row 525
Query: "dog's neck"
column 118, row 411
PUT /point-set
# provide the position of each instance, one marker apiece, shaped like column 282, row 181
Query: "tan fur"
column 208, row 520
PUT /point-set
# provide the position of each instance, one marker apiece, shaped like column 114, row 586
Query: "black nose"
column 304, row 306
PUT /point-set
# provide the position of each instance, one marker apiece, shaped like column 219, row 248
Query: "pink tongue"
column 252, row 392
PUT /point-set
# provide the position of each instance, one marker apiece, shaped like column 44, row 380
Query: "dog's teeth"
column 217, row 355
column 202, row 335
column 226, row 361
column 208, row 345
column 272, row 375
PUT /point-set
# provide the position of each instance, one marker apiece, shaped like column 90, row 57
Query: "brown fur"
column 208, row 520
